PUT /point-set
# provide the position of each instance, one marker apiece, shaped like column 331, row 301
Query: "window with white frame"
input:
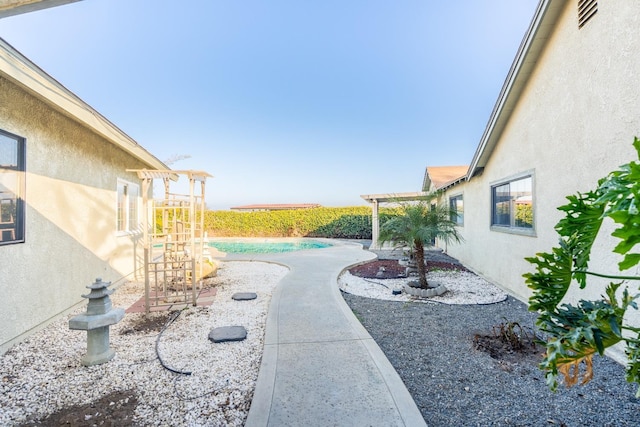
column 512, row 204
column 456, row 206
column 128, row 200
column 12, row 192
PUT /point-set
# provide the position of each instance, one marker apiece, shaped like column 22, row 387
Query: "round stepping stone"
column 244, row 296
column 228, row 333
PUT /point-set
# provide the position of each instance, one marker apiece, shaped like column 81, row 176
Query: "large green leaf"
column 578, row 332
column 555, row 270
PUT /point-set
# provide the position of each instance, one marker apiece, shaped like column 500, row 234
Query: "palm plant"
column 418, row 226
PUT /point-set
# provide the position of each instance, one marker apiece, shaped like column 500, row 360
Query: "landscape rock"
column 228, row 333
column 244, row 296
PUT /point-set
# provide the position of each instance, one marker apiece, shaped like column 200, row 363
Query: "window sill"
column 11, row 242
column 529, row 232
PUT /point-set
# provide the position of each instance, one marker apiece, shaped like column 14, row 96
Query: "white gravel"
column 44, row 373
column 463, row 287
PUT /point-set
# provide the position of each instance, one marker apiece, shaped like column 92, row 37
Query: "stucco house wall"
column 71, row 212
column 572, row 124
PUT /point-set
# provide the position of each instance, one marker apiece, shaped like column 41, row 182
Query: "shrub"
column 344, row 222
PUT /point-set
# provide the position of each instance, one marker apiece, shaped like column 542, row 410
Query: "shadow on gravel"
column 432, row 348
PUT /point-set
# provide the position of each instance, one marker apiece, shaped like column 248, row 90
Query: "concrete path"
column 320, row 367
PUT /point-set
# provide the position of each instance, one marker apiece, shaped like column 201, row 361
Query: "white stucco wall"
column 574, row 123
column 70, row 216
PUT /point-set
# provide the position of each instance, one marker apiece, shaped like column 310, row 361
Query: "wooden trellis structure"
column 174, row 249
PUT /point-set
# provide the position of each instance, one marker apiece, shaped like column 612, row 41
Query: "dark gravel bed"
column 432, row 348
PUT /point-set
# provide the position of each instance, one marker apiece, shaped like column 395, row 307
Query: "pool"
column 266, row 246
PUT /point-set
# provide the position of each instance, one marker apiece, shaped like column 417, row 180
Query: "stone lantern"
column 96, row 321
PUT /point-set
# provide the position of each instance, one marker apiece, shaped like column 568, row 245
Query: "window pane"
column 8, row 152
column 513, row 204
column 522, row 196
column 132, row 196
column 8, row 199
column 501, row 205
column 122, row 211
column 127, row 206
column 11, row 189
column 457, row 208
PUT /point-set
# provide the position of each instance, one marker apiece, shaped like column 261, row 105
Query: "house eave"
column 523, row 65
column 18, row 69
column 16, row 7
column 451, row 184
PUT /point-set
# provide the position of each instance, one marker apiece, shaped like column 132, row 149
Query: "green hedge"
column 346, row 223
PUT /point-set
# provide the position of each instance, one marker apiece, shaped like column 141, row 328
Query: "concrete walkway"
column 320, row 367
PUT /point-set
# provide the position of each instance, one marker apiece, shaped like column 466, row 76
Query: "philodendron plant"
column 577, row 332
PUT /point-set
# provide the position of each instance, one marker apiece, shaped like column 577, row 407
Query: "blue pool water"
column 253, row 247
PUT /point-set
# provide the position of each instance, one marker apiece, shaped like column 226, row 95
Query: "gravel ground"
column 44, row 383
column 431, row 345
column 463, row 287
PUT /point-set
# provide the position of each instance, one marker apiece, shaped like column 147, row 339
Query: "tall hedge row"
column 346, row 222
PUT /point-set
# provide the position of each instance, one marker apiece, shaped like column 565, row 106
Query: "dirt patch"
column 147, row 323
column 114, row 409
column 511, row 343
column 500, row 350
column 391, row 269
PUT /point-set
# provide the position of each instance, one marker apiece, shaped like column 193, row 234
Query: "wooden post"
column 375, row 224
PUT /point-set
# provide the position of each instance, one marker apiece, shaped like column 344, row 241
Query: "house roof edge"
column 525, row 61
column 23, row 72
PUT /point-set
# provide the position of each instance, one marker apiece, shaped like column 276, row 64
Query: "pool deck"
column 320, row 366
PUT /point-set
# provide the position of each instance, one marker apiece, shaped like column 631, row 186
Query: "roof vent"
column 586, row 10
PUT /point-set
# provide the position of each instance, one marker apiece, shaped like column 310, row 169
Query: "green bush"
column 345, row 222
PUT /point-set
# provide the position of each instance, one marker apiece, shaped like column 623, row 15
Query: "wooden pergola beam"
column 376, row 199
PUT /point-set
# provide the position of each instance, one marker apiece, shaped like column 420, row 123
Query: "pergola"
column 376, row 199
column 174, row 255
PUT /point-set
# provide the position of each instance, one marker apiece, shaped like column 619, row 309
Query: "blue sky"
column 286, row 101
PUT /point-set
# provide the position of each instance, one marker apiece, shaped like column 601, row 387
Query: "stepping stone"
column 244, row 296
column 228, row 333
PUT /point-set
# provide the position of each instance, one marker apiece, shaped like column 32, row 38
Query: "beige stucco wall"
column 574, row 123
column 70, row 216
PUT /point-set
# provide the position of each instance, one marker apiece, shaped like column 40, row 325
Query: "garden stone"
column 228, row 333
column 244, row 296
